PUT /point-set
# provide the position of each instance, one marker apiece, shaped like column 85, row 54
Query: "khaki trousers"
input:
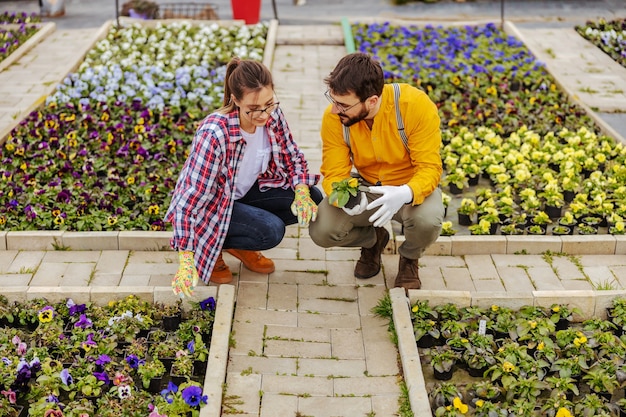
column 421, row 224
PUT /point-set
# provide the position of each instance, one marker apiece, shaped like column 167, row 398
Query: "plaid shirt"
column 202, row 203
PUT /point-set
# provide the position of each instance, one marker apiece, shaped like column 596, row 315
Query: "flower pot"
column 552, row 211
column 455, row 190
column 568, row 196
column 426, row 341
column 464, row 219
column 477, row 372
column 473, row 180
column 179, row 379
column 443, row 376
column 562, row 230
column 247, row 10
column 155, row 385
column 515, row 231
column 588, row 230
column 199, row 367
column 171, row 323
column 540, row 231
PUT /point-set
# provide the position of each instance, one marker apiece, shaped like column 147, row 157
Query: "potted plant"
column 466, row 211
column 426, row 332
column 601, row 381
column 560, row 230
column 165, row 351
column 511, row 229
column 562, row 386
column 443, row 394
column 443, row 359
column 456, row 180
column 478, row 360
column 568, row 219
column 585, row 229
column 536, row 229
column 486, row 390
column 151, row 373
column 483, row 227
column 562, row 315
column 618, row 228
column 182, row 367
column 447, row 229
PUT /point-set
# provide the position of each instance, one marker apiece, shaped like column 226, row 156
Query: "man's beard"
column 349, row 121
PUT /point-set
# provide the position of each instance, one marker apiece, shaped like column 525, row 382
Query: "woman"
column 244, row 180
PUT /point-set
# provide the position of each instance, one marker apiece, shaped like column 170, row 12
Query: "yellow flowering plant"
column 343, row 190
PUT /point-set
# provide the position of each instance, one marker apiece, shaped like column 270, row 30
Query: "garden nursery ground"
column 304, row 338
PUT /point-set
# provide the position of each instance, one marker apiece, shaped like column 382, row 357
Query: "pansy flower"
column 124, row 392
column 193, row 396
column 208, row 304
column 46, row 314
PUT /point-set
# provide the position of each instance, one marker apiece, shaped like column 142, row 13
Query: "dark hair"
column 243, row 76
column 358, row 73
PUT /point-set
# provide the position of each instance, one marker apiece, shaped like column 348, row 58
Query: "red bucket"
column 247, row 10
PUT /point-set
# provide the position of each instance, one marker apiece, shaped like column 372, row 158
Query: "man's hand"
column 391, row 200
column 186, row 278
column 303, row 206
column 358, row 208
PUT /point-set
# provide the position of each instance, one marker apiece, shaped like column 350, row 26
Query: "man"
column 402, row 168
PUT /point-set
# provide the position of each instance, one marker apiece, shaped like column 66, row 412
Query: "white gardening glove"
column 357, row 208
column 391, row 200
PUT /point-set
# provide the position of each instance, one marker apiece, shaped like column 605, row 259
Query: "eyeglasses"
column 268, row 110
column 341, row 108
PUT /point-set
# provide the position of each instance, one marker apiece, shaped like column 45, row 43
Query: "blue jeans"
column 259, row 218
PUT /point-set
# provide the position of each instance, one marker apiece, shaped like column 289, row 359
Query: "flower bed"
column 15, row 29
column 104, row 152
column 87, row 359
column 526, row 361
column 505, row 123
column 610, row 36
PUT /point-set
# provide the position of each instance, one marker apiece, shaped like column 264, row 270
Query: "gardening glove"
column 186, row 278
column 357, row 208
column 391, row 200
column 303, row 206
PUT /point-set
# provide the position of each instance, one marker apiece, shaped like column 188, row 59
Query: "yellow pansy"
column 458, row 404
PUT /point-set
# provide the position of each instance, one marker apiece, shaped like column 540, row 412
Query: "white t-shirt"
column 256, row 158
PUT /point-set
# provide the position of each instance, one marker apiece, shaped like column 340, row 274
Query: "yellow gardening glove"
column 186, row 278
column 303, row 206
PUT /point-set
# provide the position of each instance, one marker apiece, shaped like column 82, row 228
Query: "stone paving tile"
column 252, row 295
column 347, row 343
column 292, row 349
column 327, row 291
column 299, row 334
column 566, row 269
column 374, row 385
column 71, row 256
column 274, row 405
column 247, row 388
column 334, row 407
column 441, row 261
column 457, row 279
column 106, row 279
column 331, row 367
column 369, row 297
column 26, row 262
column 600, row 276
column 481, row 267
column 77, row 274
column 380, row 353
column 112, row 262
column 262, row 365
column 248, row 338
column 15, row 280
column 385, row 405
column 544, row 278
column 297, row 385
column 328, row 306
column 577, row 284
column 431, row 278
column 515, row 279
column 6, row 259
column 49, row 274
column 282, row 297
column 602, row 260
column 316, row 277
column 160, row 280
column 130, row 280
column 342, row 273
column 515, row 260
column 620, row 274
column 337, row 321
column 488, row 284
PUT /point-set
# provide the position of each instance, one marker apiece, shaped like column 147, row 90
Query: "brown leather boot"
column 408, row 276
column 221, row 272
column 253, row 260
column 371, row 259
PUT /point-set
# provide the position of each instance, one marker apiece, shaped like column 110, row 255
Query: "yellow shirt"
column 379, row 154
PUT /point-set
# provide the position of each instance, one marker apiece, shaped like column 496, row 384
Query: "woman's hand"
column 303, row 206
column 186, row 277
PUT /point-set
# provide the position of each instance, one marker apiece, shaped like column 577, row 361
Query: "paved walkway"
column 305, row 341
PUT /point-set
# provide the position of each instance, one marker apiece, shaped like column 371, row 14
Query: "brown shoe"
column 221, row 272
column 253, row 260
column 408, row 276
column 371, row 259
